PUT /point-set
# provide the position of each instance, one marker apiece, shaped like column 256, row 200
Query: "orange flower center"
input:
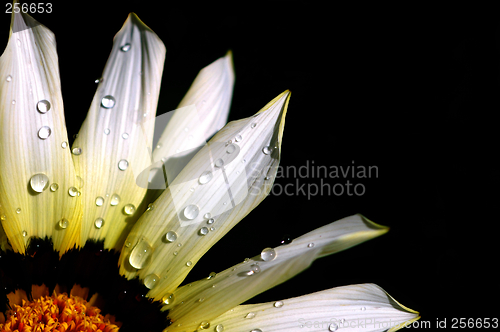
column 57, row 313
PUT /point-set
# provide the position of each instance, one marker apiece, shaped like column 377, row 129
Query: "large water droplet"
column 54, row 187
column 43, row 106
column 77, row 151
column 191, row 211
column 122, row 165
column 129, row 209
column 278, row 304
column 63, row 223
column 151, row 281
column 205, row 177
column 203, row 231
column 219, row 328
column 267, row 149
column 44, row 132
column 168, row 299
column 250, row 315
column 125, row 48
column 9, row 78
column 268, row 254
column 39, row 182
column 171, row 236
column 98, row 223
column 333, row 327
column 72, row 191
column 141, row 254
column 115, row 200
column 108, row 101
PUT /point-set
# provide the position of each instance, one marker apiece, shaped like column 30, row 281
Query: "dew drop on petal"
column 204, row 325
column 122, row 165
column 124, row 135
column 191, row 211
column 219, row 163
column 141, row 254
column 278, row 304
column 115, row 200
column 13, row 102
column 219, row 328
column 207, row 215
column 63, row 223
column 256, row 330
column 150, row 207
column 255, row 268
column 99, row 201
column 333, row 327
column 98, row 223
column 151, row 281
column 210, row 221
column 3, row 217
column 25, row 233
column 363, row 308
column 9, row 78
column 43, row 106
column 211, row 275
column 310, row 245
column 129, row 209
column 18, row 210
column 171, row 236
column 268, row 254
column 189, row 263
column 203, row 231
column 54, row 187
column 205, row 177
column 77, row 151
column 168, row 299
column 72, row 191
column 253, row 125
column 267, row 150
column 44, row 132
column 107, row 131
column 64, row 145
column 108, row 101
column 39, row 182
column 175, row 253
column 230, row 149
column 250, row 315
column 125, row 48
column 201, row 299
column 212, row 229
column 238, row 138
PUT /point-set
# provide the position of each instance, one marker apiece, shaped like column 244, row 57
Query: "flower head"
column 121, row 223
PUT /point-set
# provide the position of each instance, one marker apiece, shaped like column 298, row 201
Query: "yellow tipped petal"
column 36, row 168
column 114, row 144
column 224, row 181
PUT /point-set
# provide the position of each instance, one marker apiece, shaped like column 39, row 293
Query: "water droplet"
column 201, row 299
column 63, row 223
column 256, row 330
column 179, row 244
column 125, row 48
column 115, row 199
column 204, row 325
column 108, row 101
column 99, row 201
column 205, row 177
column 219, row 163
column 207, row 215
column 141, row 254
column 168, row 299
column 286, row 239
column 267, row 178
column 191, row 211
column 203, row 231
column 189, row 263
column 212, row 229
column 211, row 275
column 18, row 210
column 267, row 149
column 191, row 189
column 129, row 209
column 72, row 191
column 150, row 207
column 363, row 308
column 210, row 221
column 44, row 132
column 250, row 315
column 122, row 165
column 13, row 102
column 9, row 78
column 3, row 217
column 230, row 149
column 128, row 244
column 25, row 233
column 43, row 106
column 107, row 131
column 64, row 145
column 175, row 253
column 54, row 187
column 278, row 304
column 171, row 236
column 39, row 182
column 124, row 135
column 268, row 254
column 77, row 151
column 219, row 328
column 238, row 138
column 255, row 268
column 151, row 280
column 333, row 327
column 310, row 245
column 98, row 223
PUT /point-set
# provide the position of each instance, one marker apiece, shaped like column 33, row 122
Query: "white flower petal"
column 116, row 137
column 202, row 112
column 364, row 307
column 36, row 168
column 243, row 281
column 219, row 186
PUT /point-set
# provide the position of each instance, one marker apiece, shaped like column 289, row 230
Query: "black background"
column 410, row 90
